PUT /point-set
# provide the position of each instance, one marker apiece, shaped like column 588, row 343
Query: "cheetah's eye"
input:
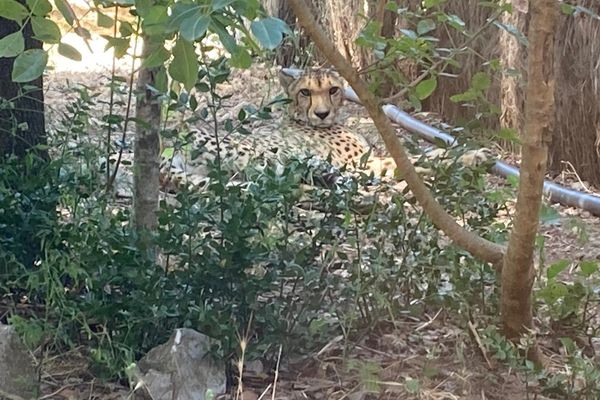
column 334, row 90
column 305, row 92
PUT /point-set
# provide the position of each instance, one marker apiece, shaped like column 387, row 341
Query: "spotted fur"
column 312, row 130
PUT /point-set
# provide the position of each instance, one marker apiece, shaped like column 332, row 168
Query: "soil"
column 433, row 349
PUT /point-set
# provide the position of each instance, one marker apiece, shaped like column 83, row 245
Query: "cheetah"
column 312, row 130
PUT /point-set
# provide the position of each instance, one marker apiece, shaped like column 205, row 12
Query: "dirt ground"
column 440, row 354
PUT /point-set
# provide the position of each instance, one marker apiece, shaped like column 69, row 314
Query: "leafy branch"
column 443, row 62
column 479, row 247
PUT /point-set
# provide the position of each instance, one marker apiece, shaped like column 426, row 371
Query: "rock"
column 181, row 369
column 18, row 377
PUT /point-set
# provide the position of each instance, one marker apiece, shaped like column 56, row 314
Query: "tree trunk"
column 518, row 271
column 22, row 126
column 146, row 151
column 479, row 247
column 388, row 30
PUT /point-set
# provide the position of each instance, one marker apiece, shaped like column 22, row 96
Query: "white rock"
column 18, row 378
column 181, row 369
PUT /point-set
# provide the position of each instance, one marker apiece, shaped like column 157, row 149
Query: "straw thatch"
column 487, row 43
column 576, row 137
column 341, row 19
column 577, row 130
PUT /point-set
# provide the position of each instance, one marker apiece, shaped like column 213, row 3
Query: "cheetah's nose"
column 322, row 115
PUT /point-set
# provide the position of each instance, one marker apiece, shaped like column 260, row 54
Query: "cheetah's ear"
column 286, row 80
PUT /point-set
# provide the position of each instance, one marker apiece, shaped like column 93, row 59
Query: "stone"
column 181, row 369
column 18, row 377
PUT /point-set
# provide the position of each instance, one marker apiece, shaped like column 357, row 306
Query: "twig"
column 333, row 341
column 264, row 392
column 426, row 324
column 128, row 109
column 51, row 395
column 276, row 374
column 473, row 331
column 574, row 172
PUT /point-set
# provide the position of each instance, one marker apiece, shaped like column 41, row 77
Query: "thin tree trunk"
column 23, row 126
column 518, row 271
column 388, row 30
column 146, row 151
column 476, row 245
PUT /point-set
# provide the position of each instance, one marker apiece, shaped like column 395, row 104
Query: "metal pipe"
column 556, row 192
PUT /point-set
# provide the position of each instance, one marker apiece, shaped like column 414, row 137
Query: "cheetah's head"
column 316, row 94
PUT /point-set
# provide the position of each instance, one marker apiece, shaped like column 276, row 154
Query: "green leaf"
column 66, row 50
column 549, row 215
column 45, row 30
column 247, row 8
column 225, row 37
column 553, row 292
column 412, row 385
column 432, row 3
column 424, row 26
column 556, row 269
column 415, row 102
column 157, row 57
column 184, row 17
column 13, row 10
column 509, row 134
column 511, row 29
column 168, row 152
column 392, row 6
column 39, row 8
column 126, row 29
column 469, row 95
column 241, row 58
column 194, row 28
column 12, row 45
column 155, row 21
column 455, row 21
column 269, row 31
column 184, row 66
column 29, row 65
column 120, row 45
column 569, row 345
column 104, row 20
column 409, row 33
column 480, row 81
column 83, row 33
column 588, row 267
column 425, row 88
column 162, row 80
column 219, row 4
column 567, row 9
column 66, row 11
